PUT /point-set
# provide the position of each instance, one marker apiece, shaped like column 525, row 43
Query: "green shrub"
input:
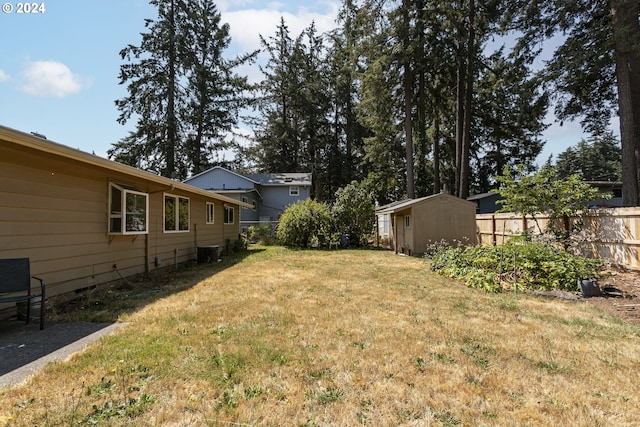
column 303, row 221
column 354, row 212
column 263, row 233
column 527, row 265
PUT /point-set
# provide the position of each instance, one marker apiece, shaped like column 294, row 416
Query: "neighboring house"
column 409, row 226
column 269, row 194
column 84, row 220
column 613, row 188
column 488, row 202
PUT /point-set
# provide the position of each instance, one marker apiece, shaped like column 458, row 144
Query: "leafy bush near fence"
column 352, row 216
column 302, row 221
column 263, row 234
column 525, row 265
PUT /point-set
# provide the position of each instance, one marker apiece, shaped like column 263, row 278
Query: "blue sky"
column 59, row 69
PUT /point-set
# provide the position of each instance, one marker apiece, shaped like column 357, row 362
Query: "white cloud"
column 248, row 24
column 3, row 76
column 50, row 78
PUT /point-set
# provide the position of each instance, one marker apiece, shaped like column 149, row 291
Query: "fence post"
column 493, row 230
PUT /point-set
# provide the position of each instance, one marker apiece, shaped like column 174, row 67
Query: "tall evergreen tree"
column 443, row 86
column 181, row 91
column 381, row 108
column 510, row 112
column 349, row 132
column 296, row 132
column 216, row 92
column 596, row 71
column 277, row 131
column 597, row 158
column 154, row 94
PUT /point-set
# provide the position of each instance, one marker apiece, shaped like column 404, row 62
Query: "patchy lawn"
column 339, row 338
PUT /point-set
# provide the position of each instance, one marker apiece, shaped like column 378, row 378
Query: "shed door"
column 407, row 234
column 404, row 232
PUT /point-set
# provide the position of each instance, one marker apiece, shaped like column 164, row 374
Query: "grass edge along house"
column 84, row 220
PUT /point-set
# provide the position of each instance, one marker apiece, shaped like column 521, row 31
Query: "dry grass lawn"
column 343, row 338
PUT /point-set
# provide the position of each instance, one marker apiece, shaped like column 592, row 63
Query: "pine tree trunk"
column 627, row 54
column 408, row 96
column 437, row 186
column 172, row 128
column 460, row 97
column 463, row 190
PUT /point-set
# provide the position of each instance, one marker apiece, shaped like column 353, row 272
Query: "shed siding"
column 432, row 218
column 445, row 219
column 55, row 211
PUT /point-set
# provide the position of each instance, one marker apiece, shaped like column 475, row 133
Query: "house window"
column 407, row 221
column 176, row 213
column 294, row 190
column 228, row 215
column 128, row 211
column 255, row 205
column 210, row 213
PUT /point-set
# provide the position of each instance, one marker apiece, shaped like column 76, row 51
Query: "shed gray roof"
column 404, row 204
column 392, row 204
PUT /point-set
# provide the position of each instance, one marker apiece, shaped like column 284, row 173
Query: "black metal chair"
column 15, row 285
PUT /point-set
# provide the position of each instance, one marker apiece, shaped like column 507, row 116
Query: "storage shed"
column 409, row 226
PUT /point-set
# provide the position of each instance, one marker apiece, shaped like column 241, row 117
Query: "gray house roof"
column 483, row 196
column 302, row 179
column 249, row 180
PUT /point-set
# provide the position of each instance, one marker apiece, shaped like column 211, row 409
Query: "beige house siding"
column 54, row 210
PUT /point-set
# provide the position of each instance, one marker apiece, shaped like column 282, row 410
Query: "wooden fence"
column 610, row 234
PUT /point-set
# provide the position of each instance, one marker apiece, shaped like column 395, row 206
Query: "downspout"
column 395, row 233
column 146, row 254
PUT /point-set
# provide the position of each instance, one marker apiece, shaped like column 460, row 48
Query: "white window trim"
column 210, row 219
column 232, row 209
column 177, row 213
column 123, row 215
column 295, row 192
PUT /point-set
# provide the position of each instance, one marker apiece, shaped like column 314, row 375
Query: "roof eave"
column 48, row 146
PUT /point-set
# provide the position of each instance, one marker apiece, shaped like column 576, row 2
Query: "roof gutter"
column 47, row 146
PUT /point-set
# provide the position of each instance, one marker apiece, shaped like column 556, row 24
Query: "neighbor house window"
column 128, row 211
column 407, row 221
column 210, row 213
column 245, row 200
column 254, row 204
column 176, row 213
column 294, row 190
column 228, row 215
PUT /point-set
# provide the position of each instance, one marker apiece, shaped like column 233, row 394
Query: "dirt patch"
column 621, row 292
column 620, row 295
